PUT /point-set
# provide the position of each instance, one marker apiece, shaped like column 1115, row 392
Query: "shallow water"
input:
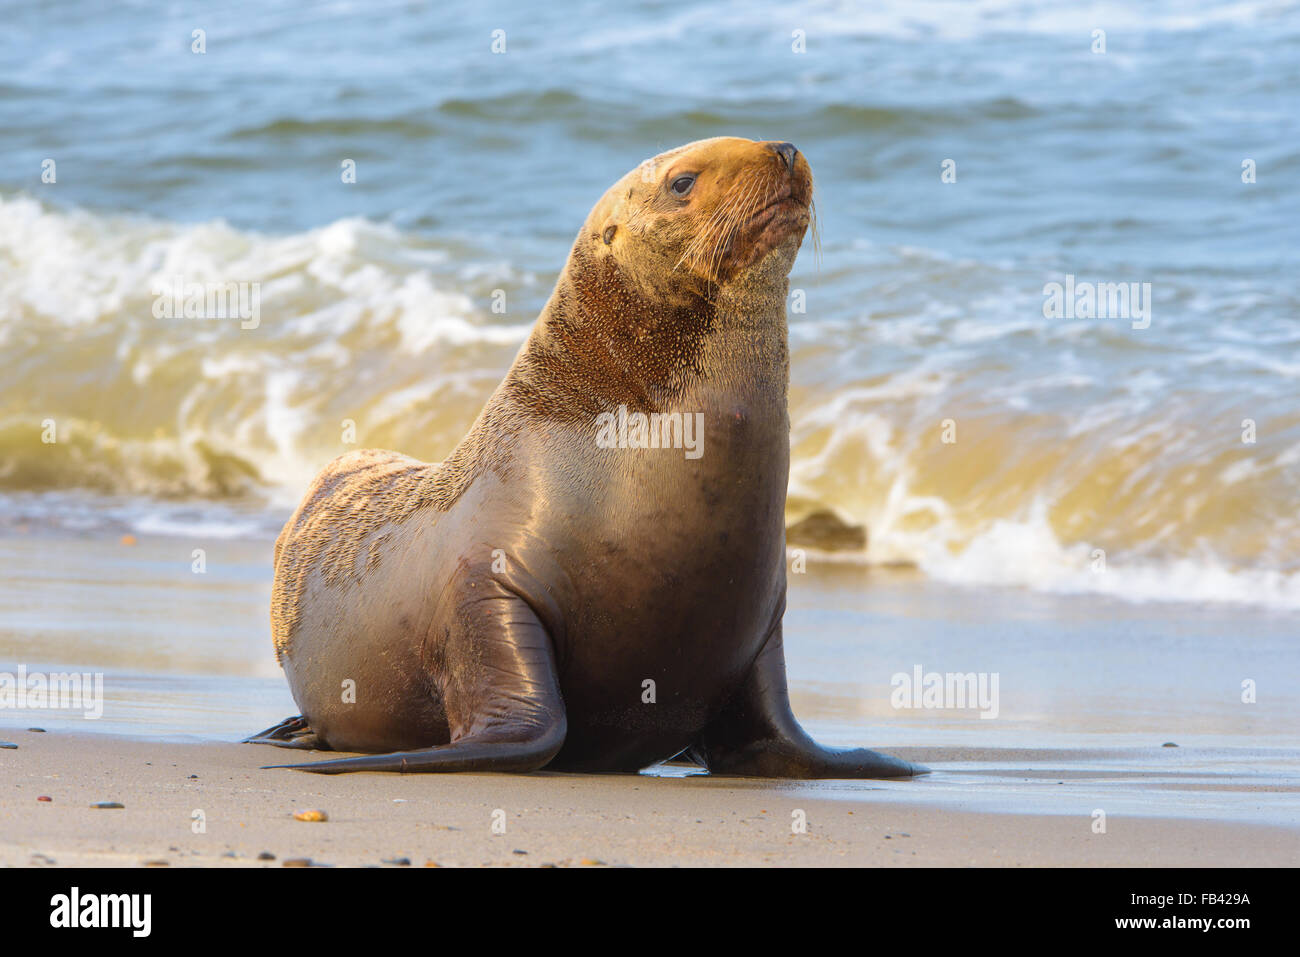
column 187, row 653
column 1089, row 688
column 474, row 171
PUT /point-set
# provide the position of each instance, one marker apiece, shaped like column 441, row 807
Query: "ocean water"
column 1164, row 449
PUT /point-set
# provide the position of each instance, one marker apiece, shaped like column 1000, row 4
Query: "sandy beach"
column 1091, row 690
column 647, row 820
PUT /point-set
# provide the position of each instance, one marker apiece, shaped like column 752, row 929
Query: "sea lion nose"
column 786, row 151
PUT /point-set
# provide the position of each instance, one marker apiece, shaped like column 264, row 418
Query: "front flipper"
column 501, row 691
column 757, row 734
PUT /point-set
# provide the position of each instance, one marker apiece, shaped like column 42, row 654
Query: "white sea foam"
column 1027, row 553
column 365, row 324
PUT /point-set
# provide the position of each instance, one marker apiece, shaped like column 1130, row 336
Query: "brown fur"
column 627, row 323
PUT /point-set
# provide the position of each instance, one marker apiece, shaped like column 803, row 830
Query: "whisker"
column 741, row 213
column 815, row 229
column 704, row 233
column 742, row 216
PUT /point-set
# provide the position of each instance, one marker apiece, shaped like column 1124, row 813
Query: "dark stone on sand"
column 826, row 531
column 8, row 745
column 37, row 730
column 397, row 861
column 45, row 797
column 298, row 862
column 266, row 856
column 1168, row 744
column 107, row 805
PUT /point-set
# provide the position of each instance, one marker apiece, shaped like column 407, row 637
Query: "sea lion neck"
column 748, row 352
column 603, row 340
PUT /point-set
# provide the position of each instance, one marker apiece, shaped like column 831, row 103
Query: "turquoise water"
column 1122, row 161
column 474, row 170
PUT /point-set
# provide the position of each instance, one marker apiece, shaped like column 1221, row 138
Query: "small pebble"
column 590, row 862
column 1168, row 744
column 157, row 863
column 298, row 862
column 108, row 805
column 8, row 745
column 37, row 730
column 266, row 856
column 44, row 797
column 517, row 851
column 398, row 861
column 230, row 854
column 310, row 815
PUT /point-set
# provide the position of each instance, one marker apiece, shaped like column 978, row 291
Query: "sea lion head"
column 691, row 245
column 708, row 214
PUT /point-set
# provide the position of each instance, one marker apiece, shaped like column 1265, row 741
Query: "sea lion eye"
column 682, row 184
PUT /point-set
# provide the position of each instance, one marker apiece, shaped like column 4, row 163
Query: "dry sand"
column 576, row 820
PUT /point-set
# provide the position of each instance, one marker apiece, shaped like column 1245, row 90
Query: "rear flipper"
column 292, row 732
column 502, row 698
column 757, row 734
column 517, row 748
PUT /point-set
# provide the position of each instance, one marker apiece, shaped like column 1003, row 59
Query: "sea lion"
column 568, row 590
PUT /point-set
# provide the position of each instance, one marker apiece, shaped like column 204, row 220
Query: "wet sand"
column 190, row 654
column 979, row 808
column 1090, row 690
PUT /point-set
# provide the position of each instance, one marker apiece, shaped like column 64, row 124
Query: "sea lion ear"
column 614, row 206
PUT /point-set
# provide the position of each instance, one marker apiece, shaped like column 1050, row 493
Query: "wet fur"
column 621, row 327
